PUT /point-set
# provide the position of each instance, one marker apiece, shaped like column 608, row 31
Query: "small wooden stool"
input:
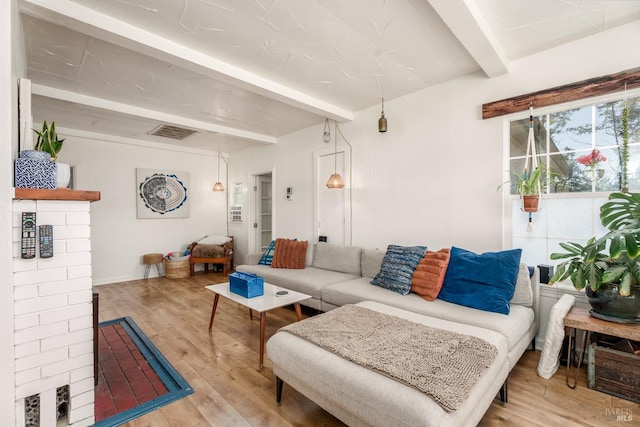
column 150, row 259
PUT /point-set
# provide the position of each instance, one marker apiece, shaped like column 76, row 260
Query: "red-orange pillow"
column 429, row 274
column 290, row 254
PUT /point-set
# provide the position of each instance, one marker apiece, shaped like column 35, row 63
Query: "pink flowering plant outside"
column 592, row 159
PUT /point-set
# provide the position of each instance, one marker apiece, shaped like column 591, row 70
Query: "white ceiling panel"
column 524, row 27
column 319, row 47
column 90, row 66
column 245, row 72
column 96, row 120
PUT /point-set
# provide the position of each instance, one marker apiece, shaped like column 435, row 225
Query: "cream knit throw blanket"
column 443, row 364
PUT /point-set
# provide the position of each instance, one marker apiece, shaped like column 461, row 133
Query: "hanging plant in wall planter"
column 528, row 184
column 529, row 187
column 49, row 142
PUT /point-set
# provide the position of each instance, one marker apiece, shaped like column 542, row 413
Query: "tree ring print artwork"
column 162, row 194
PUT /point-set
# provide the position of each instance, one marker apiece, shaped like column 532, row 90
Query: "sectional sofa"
column 336, row 276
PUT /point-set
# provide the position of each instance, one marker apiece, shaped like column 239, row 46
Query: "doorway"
column 332, row 221
column 263, row 215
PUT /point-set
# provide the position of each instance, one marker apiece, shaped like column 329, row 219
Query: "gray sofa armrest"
column 252, row 259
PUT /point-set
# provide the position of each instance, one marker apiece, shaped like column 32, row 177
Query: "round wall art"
column 162, row 193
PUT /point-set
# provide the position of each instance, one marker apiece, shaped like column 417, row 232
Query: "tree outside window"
column 566, row 136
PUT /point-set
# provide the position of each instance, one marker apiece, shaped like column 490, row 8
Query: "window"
column 563, row 137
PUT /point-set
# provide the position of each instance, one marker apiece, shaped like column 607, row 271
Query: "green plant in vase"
column 608, row 268
column 529, row 187
column 592, row 161
column 529, row 183
column 48, row 140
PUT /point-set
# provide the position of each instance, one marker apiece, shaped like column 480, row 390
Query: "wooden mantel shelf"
column 57, row 194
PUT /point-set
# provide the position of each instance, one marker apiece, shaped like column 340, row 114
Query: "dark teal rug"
column 134, row 377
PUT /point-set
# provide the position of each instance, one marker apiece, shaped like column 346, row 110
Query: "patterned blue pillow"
column 267, row 257
column 397, row 268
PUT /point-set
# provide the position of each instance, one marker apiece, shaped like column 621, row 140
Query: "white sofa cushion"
column 359, row 396
column 309, row 280
column 341, row 258
column 371, row 262
column 523, row 293
column 309, row 258
column 512, row 326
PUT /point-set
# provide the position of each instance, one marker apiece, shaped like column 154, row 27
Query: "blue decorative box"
column 35, row 173
column 248, row 285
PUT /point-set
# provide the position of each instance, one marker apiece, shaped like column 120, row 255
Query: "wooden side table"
column 579, row 318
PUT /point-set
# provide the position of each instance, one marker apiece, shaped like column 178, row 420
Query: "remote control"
column 28, row 235
column 46, row 241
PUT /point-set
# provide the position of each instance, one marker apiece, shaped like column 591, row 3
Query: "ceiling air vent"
column 173, row 132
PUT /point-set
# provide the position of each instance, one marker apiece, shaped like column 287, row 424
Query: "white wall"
column 432, row 178
column 118, row 238
column 10, row 60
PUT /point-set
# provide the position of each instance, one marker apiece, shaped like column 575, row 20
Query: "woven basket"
column 176, row 269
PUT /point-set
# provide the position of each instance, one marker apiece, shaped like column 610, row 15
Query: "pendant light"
column 382, row 121
column 218, row 186
column 335, row 180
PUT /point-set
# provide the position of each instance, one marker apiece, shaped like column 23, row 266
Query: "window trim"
column 546, row 111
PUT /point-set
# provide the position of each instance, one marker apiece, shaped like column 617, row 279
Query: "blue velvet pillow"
column 484, row 281
column 267, row 257
column 397, row 268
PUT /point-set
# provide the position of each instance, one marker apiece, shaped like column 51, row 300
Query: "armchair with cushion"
column 212, row 250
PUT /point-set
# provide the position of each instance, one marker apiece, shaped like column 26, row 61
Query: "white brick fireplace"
column 53, row 303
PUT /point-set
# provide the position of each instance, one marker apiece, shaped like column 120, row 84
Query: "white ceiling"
column 245, row 72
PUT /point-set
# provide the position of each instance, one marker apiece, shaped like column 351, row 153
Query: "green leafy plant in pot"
column 608, row 268
column 48, row 140
column 529, row 187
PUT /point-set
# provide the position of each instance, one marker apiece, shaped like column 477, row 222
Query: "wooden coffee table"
column 261, row 304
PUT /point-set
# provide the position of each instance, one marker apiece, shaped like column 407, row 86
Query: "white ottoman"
column 360, row 397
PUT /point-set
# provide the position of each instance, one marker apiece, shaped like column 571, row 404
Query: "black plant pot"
column 607, row 302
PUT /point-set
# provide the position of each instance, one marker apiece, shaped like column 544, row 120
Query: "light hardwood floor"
column 230, row 389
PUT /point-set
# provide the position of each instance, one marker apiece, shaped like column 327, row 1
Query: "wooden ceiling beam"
column 584, row 89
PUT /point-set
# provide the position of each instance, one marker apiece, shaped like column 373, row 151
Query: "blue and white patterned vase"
column 32, row 171
column 35, row 154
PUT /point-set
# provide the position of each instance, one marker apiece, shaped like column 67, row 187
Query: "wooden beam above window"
column 584, row 89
